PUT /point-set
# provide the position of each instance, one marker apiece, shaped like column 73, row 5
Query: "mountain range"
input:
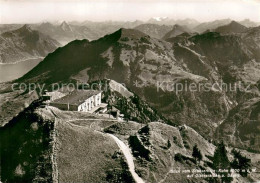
column 65, row 32
column 25, row 43
column 190, row 23
column 158, row 63
column 141, row 62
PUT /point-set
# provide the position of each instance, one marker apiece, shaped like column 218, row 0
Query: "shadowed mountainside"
column 25, row 43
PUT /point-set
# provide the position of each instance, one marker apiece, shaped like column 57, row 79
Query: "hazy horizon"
column 29, row 11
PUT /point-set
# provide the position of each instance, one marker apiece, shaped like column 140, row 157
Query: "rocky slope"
column 25, row 43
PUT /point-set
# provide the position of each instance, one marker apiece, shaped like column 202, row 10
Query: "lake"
column 9, row 72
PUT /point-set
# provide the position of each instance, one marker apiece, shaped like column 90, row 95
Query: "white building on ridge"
column 82, row 100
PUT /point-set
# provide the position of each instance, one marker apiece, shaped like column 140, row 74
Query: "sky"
column 34, row 11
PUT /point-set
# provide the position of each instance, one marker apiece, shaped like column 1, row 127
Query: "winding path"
column 129, row 158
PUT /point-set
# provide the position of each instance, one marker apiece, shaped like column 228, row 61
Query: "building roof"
column 77, row 97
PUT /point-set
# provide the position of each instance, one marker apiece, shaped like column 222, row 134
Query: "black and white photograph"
column 129, row 91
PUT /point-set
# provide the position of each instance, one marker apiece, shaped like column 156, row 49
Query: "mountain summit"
column 232, row 27
column 131, row 33
column 24, row 28
column 176, row 30
column 65, row 26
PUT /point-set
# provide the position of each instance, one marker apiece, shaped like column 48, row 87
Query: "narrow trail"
column 129, row 158
column 124, row 148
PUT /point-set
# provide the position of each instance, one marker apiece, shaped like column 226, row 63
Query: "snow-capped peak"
column 159, row 19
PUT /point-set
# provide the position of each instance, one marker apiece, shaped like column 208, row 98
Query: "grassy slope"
column 25, row 148
column 84, row 154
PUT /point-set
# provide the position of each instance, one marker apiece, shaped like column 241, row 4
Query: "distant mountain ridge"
column 248, row 23
column 154, row 30
column 65, row 32
column 211, row 25
column 176, row 30
column 190, row 23
column 25, row 43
